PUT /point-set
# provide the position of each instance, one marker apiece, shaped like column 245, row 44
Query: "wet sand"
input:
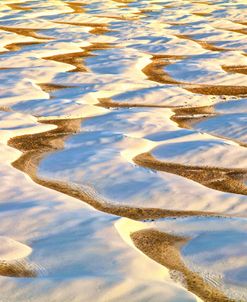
column 132, row 76
column 36, row 146
column 164, row 249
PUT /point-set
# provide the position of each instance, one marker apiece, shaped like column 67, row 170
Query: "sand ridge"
column 134, row 30
column 36, row 146
column 226, row 180
column 165, row 249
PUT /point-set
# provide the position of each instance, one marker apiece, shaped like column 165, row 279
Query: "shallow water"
column 123, row 133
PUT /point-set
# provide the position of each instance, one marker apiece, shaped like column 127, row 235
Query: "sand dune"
column 163, row 248
column 123, row 142
column 226, row 180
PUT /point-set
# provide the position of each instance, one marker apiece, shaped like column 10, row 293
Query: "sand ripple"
column 150, row 74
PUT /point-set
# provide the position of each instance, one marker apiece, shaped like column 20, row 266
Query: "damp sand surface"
column 123, row 151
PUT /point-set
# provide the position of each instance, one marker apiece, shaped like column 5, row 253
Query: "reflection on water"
column 123, row 150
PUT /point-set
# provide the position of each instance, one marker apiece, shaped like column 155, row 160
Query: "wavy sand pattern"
column 137, row 110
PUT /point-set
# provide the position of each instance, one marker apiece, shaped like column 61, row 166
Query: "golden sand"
column 169, row 6
column 176, row 23
column 109, row 103
column 217, row 89
column 204, row 44
column 120, row 18
column 37, row 146
column 5, row 109
column 87, row 24
column 19, row 45
column 221, row 179
column 240, row 30
column 235, row 68
column 186, row 117
column 155, row 70
column 76, row 59
column 28, row 32
column 17, row 269
column 19, row 6
column 49, row 87
column 201, row 14
column 145, row 11
column 165, row 249
column 77, row 7
column 241, row 22
column 97, row 28
column 161, row 247
column 124, row 1
column 202, row 2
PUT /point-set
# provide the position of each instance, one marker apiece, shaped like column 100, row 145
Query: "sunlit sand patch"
column 216, row 250
column 165, row 249
column 204, row 150
column 170, row 6
column 122, row 274
column 5, row 108
column 12, row 250
column 126, row 227
column 27, row 90
column 76, row 59
column 124, row 1
column 99, row 46
column 235, row 68
column 109, row 103
column 229, row 126
column 189, row 117
column 203, row 44
column 120, row 17
column 50, row 87
column 201, row 14
column 159, row 96
column 145, row 11
column 217, row 89
column 240, row 22
column 186, row 117
column 28, row 32
column 221, row 179
column 202, row 2
column 36, row 146
column 237, row 30
column 155, row 70
column 19, row 45
column 19, row 6
column 97, row 28
column 176, row 23
column 77, row 7
column 17, row 269
column 11, row 259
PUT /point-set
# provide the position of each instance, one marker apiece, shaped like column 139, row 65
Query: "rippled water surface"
column 123, row 134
